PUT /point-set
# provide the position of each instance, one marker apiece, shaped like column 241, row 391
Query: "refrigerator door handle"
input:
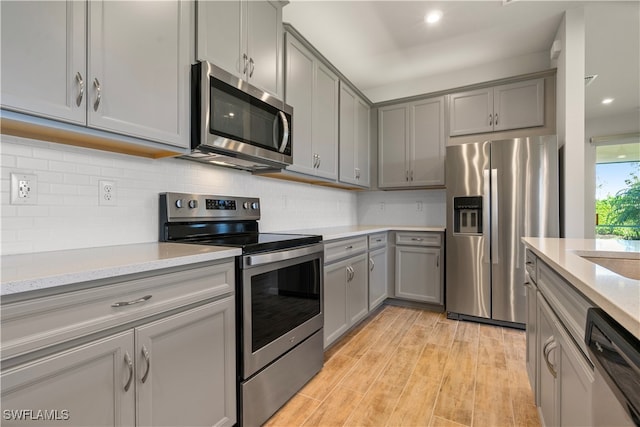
column 486, row 216
column 494, row 216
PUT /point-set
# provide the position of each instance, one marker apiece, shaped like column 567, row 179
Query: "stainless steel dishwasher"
column 616, row 354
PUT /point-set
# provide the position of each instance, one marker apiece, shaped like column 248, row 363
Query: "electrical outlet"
column 24, row 189
column 108, row 193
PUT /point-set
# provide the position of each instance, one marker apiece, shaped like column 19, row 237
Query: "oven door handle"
column 261, row 259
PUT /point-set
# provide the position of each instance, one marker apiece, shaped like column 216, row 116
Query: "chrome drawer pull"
column 81, row 84
column 126, row 303
column 349, row 247
column 417, row 239
column 96, row 104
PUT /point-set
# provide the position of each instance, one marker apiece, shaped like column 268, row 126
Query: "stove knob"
column 193, row 204
column 255, row 205
column 246, row 205
column 179, row 203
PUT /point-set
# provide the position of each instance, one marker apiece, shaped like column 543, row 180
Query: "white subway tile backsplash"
column 68, row 214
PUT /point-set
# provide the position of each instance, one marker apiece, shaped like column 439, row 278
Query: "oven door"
column 282, row 303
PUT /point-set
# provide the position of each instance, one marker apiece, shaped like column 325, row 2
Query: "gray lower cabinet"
column 377, row 277
column 85, row 385
column 419, row 272
column 179, row 370
column 345, row 296
column 154, row 350
column 560, row 372
column 346, row 286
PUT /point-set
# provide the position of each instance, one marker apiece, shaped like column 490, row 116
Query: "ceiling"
column 385, row 43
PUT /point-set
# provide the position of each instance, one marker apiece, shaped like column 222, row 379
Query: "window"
column 618, row 191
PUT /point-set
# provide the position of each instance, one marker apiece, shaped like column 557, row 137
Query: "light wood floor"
column 409, row 367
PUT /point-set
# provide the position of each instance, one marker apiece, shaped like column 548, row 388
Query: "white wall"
column 407, row 207
column 578, row 220
column 483, row 73
column 68, row 215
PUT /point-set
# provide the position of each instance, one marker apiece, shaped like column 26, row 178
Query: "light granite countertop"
column 343, row 232
column 42, row 270
column 616, row 294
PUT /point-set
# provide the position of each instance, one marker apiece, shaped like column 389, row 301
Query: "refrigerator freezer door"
column 525, row 195
column 468, row 265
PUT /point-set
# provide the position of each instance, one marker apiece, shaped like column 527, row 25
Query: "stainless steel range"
column 279, row 306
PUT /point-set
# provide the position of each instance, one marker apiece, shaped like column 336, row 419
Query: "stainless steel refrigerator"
column 497, row 192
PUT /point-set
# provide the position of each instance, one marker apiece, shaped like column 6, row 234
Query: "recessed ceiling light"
column 433, row 17
column 622, row 156
column 607, row 101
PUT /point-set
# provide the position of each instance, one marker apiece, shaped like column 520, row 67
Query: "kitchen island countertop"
column 618, row 295
column 43, row 270
column 343, row 232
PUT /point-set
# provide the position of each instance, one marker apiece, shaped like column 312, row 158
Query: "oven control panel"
column 186, row 207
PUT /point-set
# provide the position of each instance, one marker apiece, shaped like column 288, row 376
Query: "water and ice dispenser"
column 467, row 215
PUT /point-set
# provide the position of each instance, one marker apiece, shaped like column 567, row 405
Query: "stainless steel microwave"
column 235, row 124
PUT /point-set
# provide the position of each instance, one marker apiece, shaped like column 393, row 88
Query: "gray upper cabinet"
column 312, row 89
column 51, row 81
column 411, row 146
column 510, row 106
column 244, row 38
column 90, row 63
column 354, row 138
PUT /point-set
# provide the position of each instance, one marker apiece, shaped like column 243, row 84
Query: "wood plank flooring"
column 409, row 367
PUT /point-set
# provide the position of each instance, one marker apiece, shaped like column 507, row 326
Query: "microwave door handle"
column 285, row 134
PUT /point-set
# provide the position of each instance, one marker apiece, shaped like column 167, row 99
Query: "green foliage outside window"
column 619, row 215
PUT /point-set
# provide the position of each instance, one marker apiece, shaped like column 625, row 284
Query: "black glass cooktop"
column 258, row 242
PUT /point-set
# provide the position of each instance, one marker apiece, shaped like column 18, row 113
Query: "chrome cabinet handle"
column 550, row 345
column 96, row 84
column 490, row 119
column 147, row 359
column 417, row 239
column 319, row 160
column 244, row 59
column 406, row 177
column 81, row 83
column 252, row 67
column 136, row 301
column 438, row 261
column 411, row 175
column 349, row 247
column 496, row 119
column 129, row 362
column 372, row 264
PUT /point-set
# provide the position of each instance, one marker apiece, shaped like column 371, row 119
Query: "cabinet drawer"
column 41, row 322
column 566, row 302
column 419, row 239
column 378, row 240
column 335, row 250
column 531, row 261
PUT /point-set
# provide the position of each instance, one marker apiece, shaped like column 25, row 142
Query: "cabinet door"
column 299, row 75
column 264, row 45
column 363, row 143
column 213, row 19
column 428, row 145
column 357, row 289
column 138, row 73
column 325, row 122
column 519, row 105
column 85, row 385
column 335, row 301
column 185, row 368
column 393, row 139
column 348, row 102
column 418, row 274
column 377, row 277
column 471, row 112
column 532, row 327
column 547, row 366
column 44, row 74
